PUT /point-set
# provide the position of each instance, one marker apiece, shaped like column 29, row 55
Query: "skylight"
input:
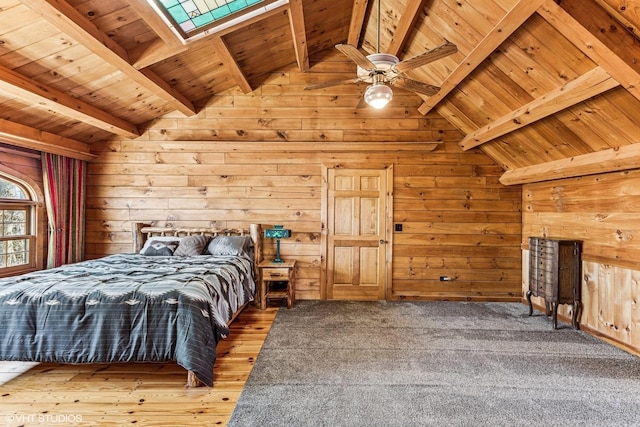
column 192, row 17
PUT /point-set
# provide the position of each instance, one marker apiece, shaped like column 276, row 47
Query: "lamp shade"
column 378, row 95
column 277, row 232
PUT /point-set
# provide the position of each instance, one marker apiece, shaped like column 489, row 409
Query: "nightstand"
column 277, row 280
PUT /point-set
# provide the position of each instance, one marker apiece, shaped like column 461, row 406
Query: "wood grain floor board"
column 134, row 393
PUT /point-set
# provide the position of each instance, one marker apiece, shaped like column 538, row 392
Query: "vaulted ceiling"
column 548, row 89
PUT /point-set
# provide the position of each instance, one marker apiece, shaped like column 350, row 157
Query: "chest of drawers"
column 555, row 275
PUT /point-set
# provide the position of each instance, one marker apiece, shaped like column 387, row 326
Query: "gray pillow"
column 230, row 245
column 192, row 245
column 152, row 239
column 161, row 247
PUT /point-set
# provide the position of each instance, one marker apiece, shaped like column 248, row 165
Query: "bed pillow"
column 230, row 245
column 192, row 245
column 161, row 248
column 156, row 240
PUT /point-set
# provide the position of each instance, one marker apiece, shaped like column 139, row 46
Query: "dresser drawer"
column 275, row 273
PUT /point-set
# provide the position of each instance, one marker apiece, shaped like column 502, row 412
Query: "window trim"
column 36, row 227
column 26, row 206
column 236, row 18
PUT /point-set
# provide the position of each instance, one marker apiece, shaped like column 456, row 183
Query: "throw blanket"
column 125, row 308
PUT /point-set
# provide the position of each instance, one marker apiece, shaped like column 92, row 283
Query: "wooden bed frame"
column 142, row 232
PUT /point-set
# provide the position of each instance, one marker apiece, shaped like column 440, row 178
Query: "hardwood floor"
column 135, row 394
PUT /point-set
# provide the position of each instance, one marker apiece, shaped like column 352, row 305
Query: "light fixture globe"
column 378, row 95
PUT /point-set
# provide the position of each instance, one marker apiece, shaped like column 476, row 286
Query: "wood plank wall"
column 602, row 211
column 258, row 158
column 25, row 162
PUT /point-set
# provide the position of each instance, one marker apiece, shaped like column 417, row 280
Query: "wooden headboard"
column 142, row 232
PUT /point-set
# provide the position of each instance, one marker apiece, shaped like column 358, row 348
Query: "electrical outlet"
column 398, row 227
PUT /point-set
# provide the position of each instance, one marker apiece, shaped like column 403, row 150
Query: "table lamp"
column 277, row 232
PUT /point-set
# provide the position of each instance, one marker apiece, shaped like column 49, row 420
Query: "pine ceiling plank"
column 611, row 160
column 66, row 18
column 153, row 19
column 620, row 10
column 70, row 21
column 296, row 19
column 405, row 25
column 582, row 88
column 507, row 25
column 604, row 131
column 603, row 48
column 558, row 139
column 59, row 102
column 621, row 111
column 28, row 137
column 264, row 46
column 357, row 21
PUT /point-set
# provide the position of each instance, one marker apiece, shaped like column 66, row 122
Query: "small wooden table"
column 282, row 273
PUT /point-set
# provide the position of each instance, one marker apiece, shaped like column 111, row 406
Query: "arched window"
column 17, row 227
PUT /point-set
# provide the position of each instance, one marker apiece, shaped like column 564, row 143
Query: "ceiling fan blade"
column 332, row 83
column 356, row 56
column 424, row 58
column 415, row 86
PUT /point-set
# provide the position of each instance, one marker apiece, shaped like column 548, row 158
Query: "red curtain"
column 65, row 194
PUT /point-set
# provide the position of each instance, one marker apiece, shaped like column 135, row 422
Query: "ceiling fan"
column 383, row 70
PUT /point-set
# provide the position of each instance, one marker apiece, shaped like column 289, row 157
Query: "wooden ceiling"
column 548, row 89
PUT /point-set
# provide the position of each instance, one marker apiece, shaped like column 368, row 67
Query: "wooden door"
column 356, row 234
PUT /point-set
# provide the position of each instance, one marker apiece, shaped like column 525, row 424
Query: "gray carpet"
column 336, row 363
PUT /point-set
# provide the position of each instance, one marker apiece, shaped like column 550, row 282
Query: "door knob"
column 382, row 242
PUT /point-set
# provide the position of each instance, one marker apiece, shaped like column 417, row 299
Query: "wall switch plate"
column 398, row 227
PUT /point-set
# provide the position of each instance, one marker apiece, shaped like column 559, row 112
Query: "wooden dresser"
column 555, row 274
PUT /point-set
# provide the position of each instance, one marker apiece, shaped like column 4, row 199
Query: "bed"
column 172, row 299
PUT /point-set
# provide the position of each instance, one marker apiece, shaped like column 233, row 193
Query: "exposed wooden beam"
column 35, row 139
column 296, row 20
column 169, row 44
column 611, row 160
column 324, row 147
column 357, row 20
column 59, row 102
column 405, row 25
column 147, row 54
column 518, row 14
column 231, row 65
column 65, row 17
column 588, row 85
column 590, row 34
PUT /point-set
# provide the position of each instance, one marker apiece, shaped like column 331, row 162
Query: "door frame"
column 388, row 228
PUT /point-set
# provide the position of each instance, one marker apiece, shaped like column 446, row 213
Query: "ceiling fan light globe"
column 378, row 95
